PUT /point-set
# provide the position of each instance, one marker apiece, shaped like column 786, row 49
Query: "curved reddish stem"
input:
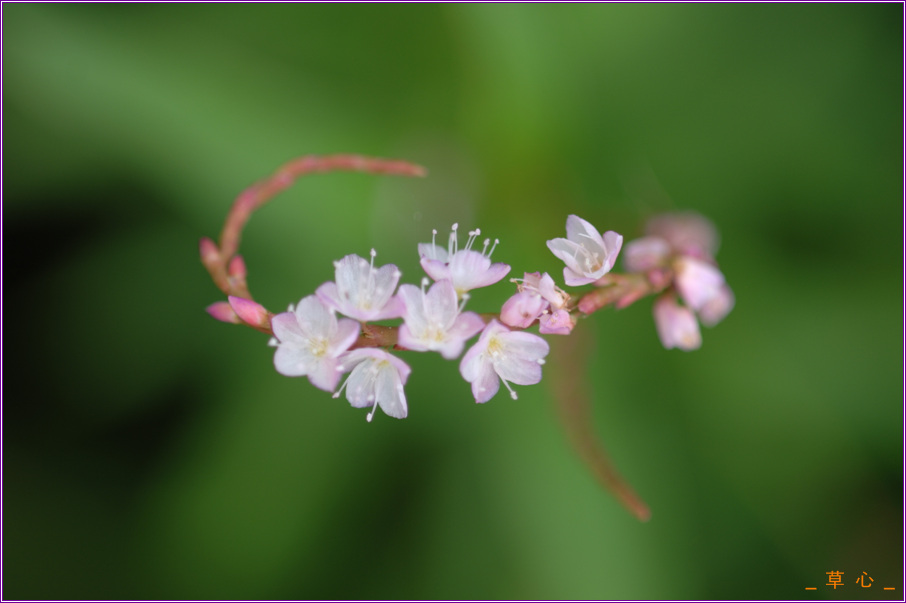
column 225, row 267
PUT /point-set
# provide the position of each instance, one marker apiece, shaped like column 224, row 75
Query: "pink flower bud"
column 676, row 324
column 522, row 309
column 645, row 254
column 697, row 281
column 250, row 312
column 687, row 233
column 208, row 250
column 223, row 312
column 558, row 322
column 716, row 308
column 236, row 268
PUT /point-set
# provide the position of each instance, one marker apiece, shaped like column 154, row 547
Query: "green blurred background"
column 152, row 452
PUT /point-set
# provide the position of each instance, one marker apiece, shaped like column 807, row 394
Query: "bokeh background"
column 152, row 452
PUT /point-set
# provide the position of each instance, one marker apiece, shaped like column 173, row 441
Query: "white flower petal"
column 433, row 252
column 440, row 303
column 390, row 394
column 486, row 383
column 292, row 361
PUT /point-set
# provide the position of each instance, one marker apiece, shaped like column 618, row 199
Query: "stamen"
column 370, row 288
column 512, row 392
column 337, row 393
column 453, row 245
column 472, row 235
column 425, row 283
column 465, row 298
column 373, row 410
column 496, row 241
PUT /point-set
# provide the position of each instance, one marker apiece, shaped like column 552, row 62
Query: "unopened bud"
column 223, row 312
column 208, row 251
column 236, row 268
column 250, row 312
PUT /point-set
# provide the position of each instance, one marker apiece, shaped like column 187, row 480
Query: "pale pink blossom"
column 687, row 233
column 502, row 355
column 433, row 321
column 556, row 322
column 362, row 291
column 717, row 307
column 588, row 254
column 647, row 253
column 309, row 341
column 538, row 298
column 697, row 281
column 522, row 309
column 676, row 324
column 376, row 379
column 466, row 268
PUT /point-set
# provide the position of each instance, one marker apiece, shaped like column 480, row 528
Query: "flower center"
column 318, row 346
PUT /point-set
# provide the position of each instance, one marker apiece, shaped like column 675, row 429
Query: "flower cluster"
column 311, row 341
column 332, row 332
column 675, row 260
column 677, row 255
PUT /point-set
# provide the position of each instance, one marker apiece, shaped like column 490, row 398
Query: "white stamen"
column 472, row 235
column 465, row 298
column 370, row 415
column 453, row 245
column 512, row 392
column 496, row 241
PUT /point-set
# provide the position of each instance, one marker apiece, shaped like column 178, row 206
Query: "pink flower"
column 647, row 253
column 465, row 268
column 361, row 291
column 558, row 322
column 717, row 307
column 502, row 355
column 522, row 309
column 678, row 252
column 377, row 379
column 309, row 341
column 687, row 233
column 676, row 324
column 433, row 320
column 588, row 255
column 697, row 281
column 539, row 299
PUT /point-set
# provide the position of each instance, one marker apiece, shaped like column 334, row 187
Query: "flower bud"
column 223, row 312
column 250, row 312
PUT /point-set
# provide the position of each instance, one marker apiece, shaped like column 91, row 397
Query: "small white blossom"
column 466, row 268
column 433, row 320
column 588, row 254
column 361, row 291
column 377, row 379
column 502, row 355
column 309, row 341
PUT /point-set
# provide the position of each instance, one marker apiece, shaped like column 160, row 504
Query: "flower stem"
column 570, row 389
column 216, row 258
